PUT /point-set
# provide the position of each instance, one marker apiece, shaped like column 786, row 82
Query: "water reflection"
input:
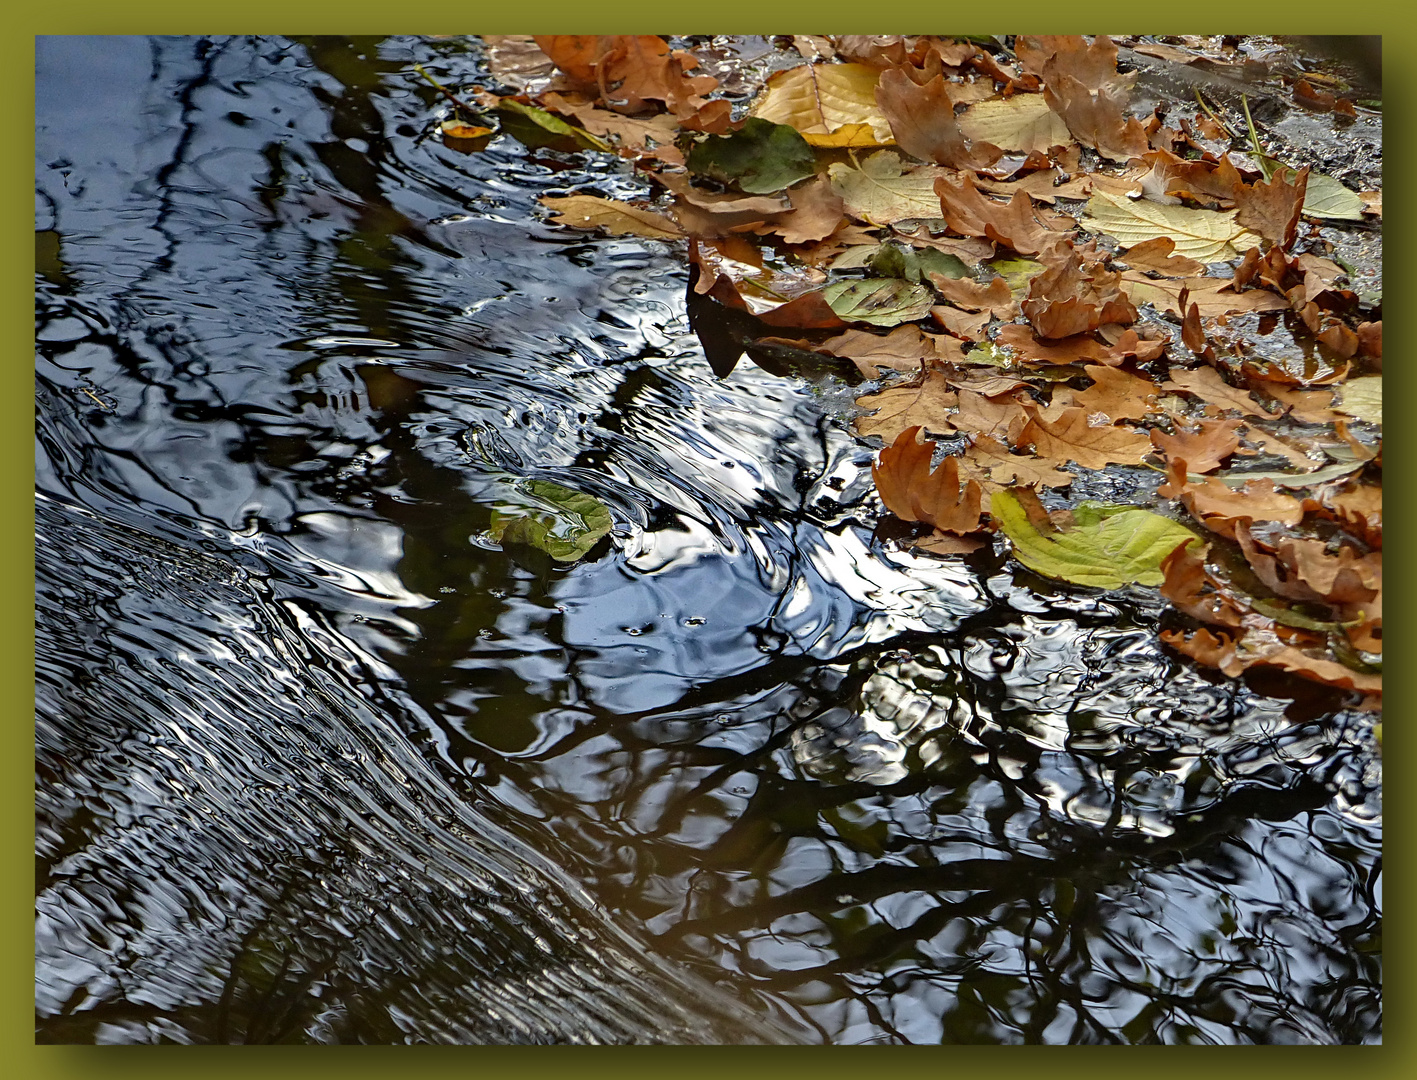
column 318, row 763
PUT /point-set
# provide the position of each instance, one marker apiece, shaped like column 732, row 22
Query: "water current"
column 317, row 762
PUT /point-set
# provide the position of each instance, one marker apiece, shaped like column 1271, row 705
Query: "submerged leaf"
column 879, row 301
column 1108, row 548
column 761, row 158
column 558, row 520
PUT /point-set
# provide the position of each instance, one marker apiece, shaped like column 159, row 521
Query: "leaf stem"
column 1255, row 139
column 474, row 113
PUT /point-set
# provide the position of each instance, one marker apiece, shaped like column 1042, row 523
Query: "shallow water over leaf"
column 319, row 761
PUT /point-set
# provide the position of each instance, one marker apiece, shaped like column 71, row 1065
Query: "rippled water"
column 316, row 762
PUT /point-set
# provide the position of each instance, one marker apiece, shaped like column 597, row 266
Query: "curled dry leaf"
column 832, row 105
column 1073, row 297
column 912, row 492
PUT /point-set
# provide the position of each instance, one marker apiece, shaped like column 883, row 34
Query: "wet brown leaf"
column 616, row 218
column 1196, row 592
column 1072, row 296
column 629, row 70
column 995, row 298
column 1013, row 224
column 923, row 121
column 924, row 401
column 1156, row 256
column 990, row 460
column 1232, row 657
column 1218, row 507
column 816, row 212
column 912, row 492
column 1204, row 448
column 1206, row 384
column 902, row 349
column 1272, row 209
column 962, row 324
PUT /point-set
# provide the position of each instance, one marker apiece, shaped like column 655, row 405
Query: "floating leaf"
column 761, row 157
column 616, row 218
column 912, row 492
column 1108, row 546
column 1207, row 235
column 880, row 192
column 1023, row 122
column 832, row 105
column 562, row 522
column 879, row 301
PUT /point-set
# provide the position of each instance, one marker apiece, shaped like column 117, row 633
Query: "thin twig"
column 1211, row 113
column 1255, row 139
column 474, row 113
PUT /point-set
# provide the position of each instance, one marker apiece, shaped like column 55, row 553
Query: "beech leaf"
column 1107, row 547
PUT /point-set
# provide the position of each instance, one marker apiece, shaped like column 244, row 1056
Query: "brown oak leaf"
column 1013, row 224
column 1272, row 208
column 990, row 461
column 925, row 401
column 1219, row 507
column 972, row 296
column 1203, row 449
column 1072, row 438
column 1206, row 384
column 1073, row 296
column 1155, row 256
column 1223, row 652
column 629, row 70
column 962, row 324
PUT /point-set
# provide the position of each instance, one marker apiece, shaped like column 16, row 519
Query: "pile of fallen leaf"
column 901, row 204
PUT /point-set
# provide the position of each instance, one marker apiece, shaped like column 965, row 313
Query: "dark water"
column 316, row 762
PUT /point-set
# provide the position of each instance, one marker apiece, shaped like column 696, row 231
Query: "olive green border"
column 722, row 16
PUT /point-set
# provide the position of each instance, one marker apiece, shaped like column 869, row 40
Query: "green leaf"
column 760, row 158
column 562, row 522
column 899, row 261
column 879, row 301
column 1108, row 547
column 1017, row 273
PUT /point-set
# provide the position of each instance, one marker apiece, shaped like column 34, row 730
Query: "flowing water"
column 317, row 762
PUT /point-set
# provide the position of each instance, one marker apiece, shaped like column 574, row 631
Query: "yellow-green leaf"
column 1107, row 548
column 1207, row 235
column 879, row 301
column 830, row 104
